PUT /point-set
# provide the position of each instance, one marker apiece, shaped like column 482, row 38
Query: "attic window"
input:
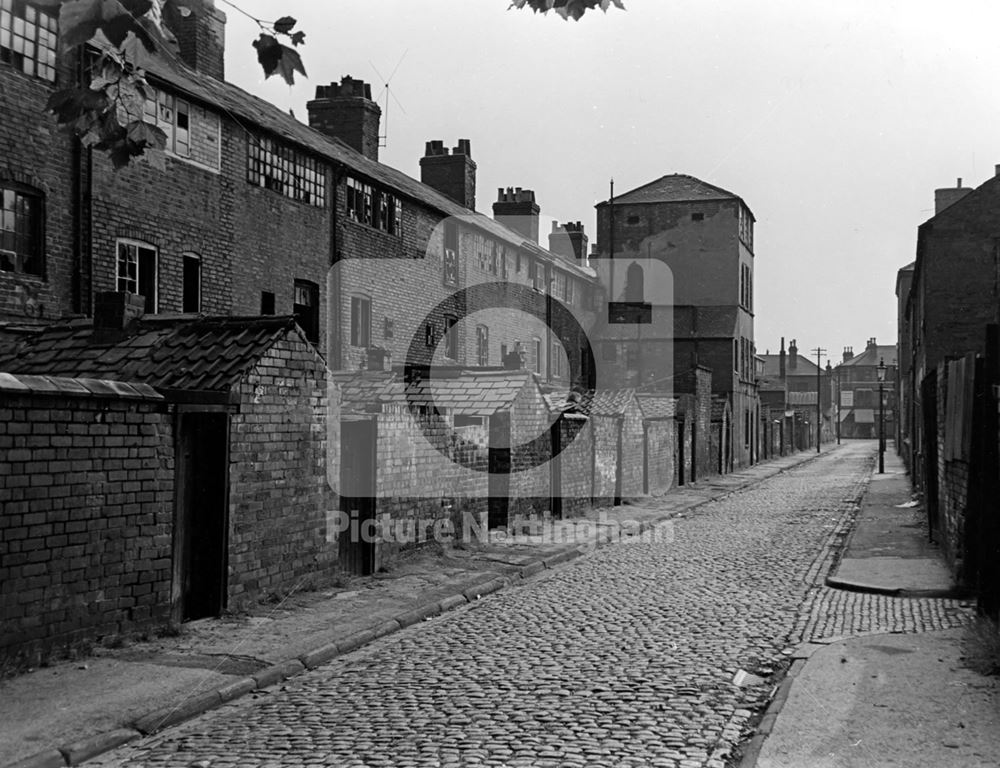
column 632, row 220
column 697, row 216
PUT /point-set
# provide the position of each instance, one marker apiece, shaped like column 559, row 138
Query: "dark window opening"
column 361, row 321
column 306, row 309
column 136, row 272
column 451, row 336
column 191, row 284
column 266, row 303
column 389, row 328
column 697, row 216
column 632, row 220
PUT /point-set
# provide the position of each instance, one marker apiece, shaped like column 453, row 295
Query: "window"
column 697, row 217
column 191, row 283
column 430, row 334
column 370, row 205
column 746, row 227
column 736, row 355
column 632, row 220
column 482, row 345
column 503, row 355
column 136, row 271
column 451, row 337
column 21, row 235
column 450, row 267
column 538, row 354
column 556, row 356
column 172, row 116
column 388, row 328
column 570, row 297
column 559, row 287
column 306, row 308
column 275, row 166
column 266, row 303
column 28, row 39
column 361, row 321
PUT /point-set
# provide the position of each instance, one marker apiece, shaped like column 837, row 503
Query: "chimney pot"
column 517, row 210
column 569, row 240
column 346, row 111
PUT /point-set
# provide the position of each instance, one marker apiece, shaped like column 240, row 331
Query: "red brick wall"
column 279, row 496
column 86, row 493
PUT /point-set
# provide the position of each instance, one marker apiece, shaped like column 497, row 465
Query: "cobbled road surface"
column 623, row 657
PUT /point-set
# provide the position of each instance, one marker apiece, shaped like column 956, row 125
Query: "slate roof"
column 609, row 402
column 872, row 355
column 657, row 406
column 249, row 108
column 470, row 394
column 364, row 392
column 182, row 352
column 674, row 188
column 803, row 366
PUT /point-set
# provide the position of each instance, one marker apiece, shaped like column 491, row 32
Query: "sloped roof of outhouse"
column 177, row 352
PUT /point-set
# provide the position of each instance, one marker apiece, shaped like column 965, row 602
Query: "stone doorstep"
column 201, row 703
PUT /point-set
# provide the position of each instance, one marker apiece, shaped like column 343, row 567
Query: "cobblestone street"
column 623, row 657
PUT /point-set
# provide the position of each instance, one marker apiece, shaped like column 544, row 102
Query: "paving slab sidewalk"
column 884, row 699
column 71, row 711
column 889, row 551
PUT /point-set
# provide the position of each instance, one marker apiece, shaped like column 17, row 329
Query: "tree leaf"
column 284, row 25
column 290, row 63
column 145, row 135
column 298, row 38
column 268, row 52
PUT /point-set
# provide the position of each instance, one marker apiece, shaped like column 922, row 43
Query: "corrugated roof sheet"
column 675, row 188
column 179, row 352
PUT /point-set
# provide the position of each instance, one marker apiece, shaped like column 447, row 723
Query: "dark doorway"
column 555, row 470
column 680, row 452
column 202, row 519
column 357, row 482
column 928, row 398
column 499, row 471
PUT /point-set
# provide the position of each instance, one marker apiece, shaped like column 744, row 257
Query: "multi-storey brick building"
column 856, row 382
column 701, row 311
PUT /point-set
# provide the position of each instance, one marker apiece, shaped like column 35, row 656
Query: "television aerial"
column 383, row 139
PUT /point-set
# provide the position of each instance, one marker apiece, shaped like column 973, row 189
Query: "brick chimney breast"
column 949, row 196
column 569, row 240
column 345, row 111
column 453, row 174
column 201, row 37
column 115, row 315
column 516, row 209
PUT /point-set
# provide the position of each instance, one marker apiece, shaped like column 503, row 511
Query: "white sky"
column 834, row 121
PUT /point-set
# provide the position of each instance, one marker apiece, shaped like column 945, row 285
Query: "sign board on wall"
column 846, row 399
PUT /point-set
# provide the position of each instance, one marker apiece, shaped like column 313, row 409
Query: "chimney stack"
column 793, row 356
column 453, row 175
column 949, row 196
column 996, row 170
column 346, row 111
column 516, row 209
column 848, row 353
column 569, row 240
column 782, row 361
column 201, row 37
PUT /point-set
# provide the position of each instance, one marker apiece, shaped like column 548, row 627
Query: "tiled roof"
column 872, row 355
column 362, row 392
column 609, row 402
column 657, row 406
column 803, row 365
column 471, row 394
column 167, row 352
column 674, row 188
column 247, row 108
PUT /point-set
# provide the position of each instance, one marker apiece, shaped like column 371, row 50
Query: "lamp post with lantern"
column 881, row 416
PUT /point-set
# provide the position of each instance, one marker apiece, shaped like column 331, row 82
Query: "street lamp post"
column 881, row 417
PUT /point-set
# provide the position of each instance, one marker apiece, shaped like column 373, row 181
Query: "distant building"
column 856, row 381
column 704, row 235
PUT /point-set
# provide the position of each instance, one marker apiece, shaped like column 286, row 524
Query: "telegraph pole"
column 819, row 399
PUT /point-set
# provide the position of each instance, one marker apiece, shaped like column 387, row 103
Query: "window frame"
column 482, row 345
column 35, row 234
column 138, row 245
column 45, row 39
column 281, row 168
column 450, row 337
column 187, row 258
column 361, row 320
